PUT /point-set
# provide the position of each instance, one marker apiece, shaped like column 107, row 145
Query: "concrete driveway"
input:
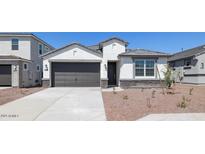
column 57, row 104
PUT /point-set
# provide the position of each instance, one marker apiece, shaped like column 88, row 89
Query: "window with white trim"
column 14, row 44
column 144, row 67
column 149, row 67
column 40, row 49
column 139, row 68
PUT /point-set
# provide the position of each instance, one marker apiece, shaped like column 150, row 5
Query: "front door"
column 111, row 73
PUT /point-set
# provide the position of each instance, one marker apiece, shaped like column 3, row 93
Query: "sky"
column 169, row 42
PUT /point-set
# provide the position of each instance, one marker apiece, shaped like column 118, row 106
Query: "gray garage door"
column 75, row 74
column 5, row 75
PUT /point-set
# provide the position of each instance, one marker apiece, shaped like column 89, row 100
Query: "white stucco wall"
column 201, row 59
column 126, row 68
column 70, row 54
column 162, row 66
column 15, row 75
column 111, row 50
column 24, row 47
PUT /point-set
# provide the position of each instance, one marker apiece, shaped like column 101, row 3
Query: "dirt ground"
column 132, row 104
column 11, row 94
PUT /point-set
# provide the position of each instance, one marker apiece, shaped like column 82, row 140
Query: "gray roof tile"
column 143, row 52
column 11, row 57
column 187, row 53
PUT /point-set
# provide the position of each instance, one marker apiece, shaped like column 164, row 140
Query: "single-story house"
column 188, row 65
column 108, row 63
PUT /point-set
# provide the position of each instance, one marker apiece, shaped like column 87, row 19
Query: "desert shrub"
column 190, row 91
column 142, row 89
column 183, row 103
column 125, row 97
column 153, row 93
column 168, row 77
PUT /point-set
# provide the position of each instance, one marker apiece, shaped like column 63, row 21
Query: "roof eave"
column 145, row 55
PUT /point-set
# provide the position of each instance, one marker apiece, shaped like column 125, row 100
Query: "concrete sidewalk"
column 56, row 104
column 175, row 117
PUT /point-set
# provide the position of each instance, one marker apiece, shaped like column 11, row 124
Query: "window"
column 187, row 62
column 144, row 67
column 202, row 66
column 40, row 49
column 46, row 49
column 139, row 68
column 149, row 68
column 25, row 67
column 38, row 68
column 14, row 44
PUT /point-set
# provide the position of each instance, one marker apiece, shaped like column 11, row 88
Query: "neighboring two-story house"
column 20, row 59
column 189, row 66
column 108, row 63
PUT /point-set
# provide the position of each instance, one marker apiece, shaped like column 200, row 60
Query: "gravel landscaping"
column 132, row 104
column 11, row 94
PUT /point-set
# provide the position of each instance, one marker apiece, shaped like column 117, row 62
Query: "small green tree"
column 168, row 77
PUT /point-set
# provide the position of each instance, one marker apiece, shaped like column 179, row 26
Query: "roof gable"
column 114, row 38
column 73, row 45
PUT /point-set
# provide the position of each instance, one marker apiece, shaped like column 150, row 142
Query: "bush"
column 183, row 104
column 168, row 77
column 153, row 93
column 125, row 97
column 190, row 91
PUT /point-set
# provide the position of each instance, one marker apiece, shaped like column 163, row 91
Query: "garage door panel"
column 87, row 76
column 60, row 83
column 86, row 84
column 5, row 80
column 5, row 75
column 76, row 74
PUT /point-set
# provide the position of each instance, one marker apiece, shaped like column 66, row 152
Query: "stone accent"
column 141, row 83
column 104, row 83
column 45, row 82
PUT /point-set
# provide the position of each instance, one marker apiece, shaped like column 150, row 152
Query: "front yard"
column 132, row 104
column 11, row 94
